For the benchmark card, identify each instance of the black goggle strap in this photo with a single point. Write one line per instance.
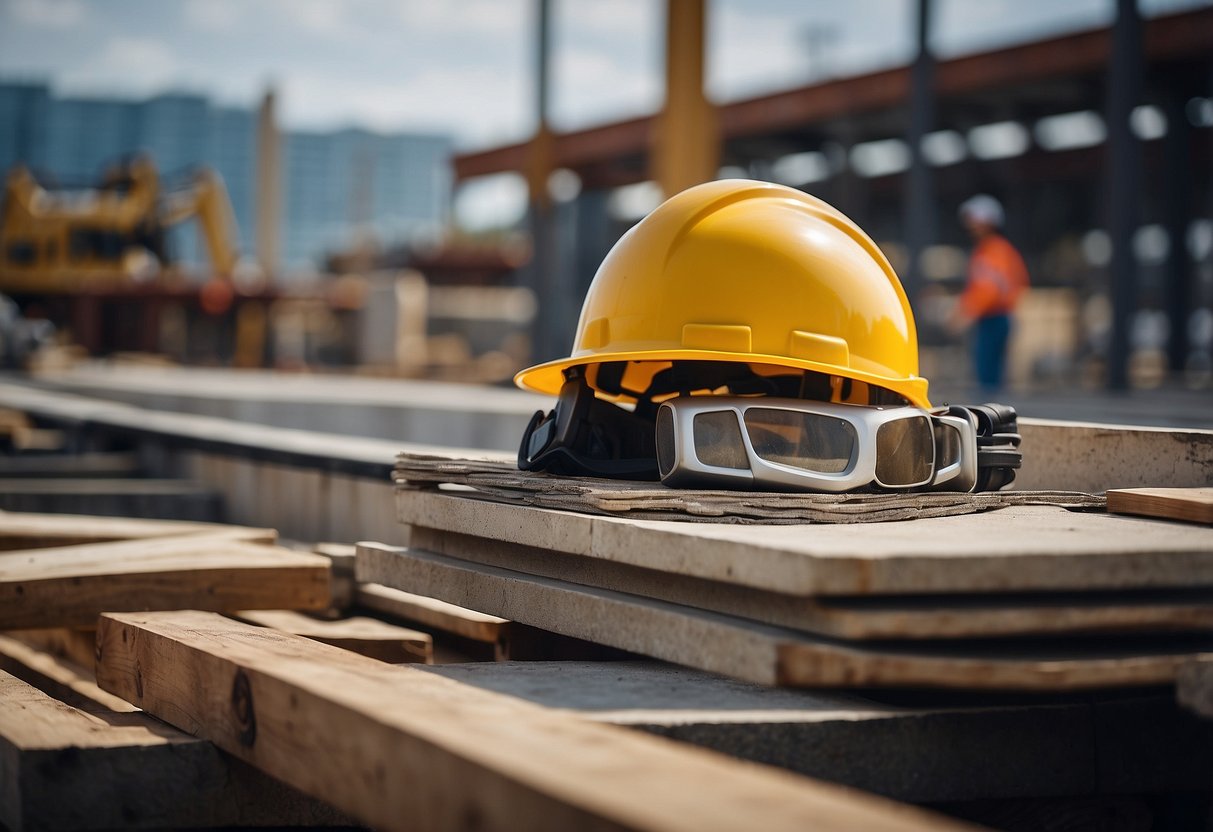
(585, 436)
(998, 440)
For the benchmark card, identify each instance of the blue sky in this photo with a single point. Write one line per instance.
(465, 66)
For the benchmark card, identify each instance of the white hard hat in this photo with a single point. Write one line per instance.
(982, 208)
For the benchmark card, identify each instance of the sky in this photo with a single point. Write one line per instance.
(466, 67)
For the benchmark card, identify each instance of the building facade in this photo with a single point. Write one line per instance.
(340, 188)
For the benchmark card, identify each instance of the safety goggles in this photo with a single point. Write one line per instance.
(772, 442)
(794, 444)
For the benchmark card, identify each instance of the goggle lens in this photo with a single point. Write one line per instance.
(905, 452)
(718, 440)
(811, 441)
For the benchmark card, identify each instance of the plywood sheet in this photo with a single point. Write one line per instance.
(770, 655)
(1016, 549)
(855, 617)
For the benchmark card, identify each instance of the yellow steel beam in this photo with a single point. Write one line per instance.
(686, 144)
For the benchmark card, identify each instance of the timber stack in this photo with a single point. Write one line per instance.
(527, 658)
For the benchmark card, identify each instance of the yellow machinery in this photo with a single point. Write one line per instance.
(54, 242)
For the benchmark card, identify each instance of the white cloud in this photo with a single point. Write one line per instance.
(626, 17)
(212, 15)
(481, 104)
(466, 17)
(50, 14)
(595, 85)
(127, 63)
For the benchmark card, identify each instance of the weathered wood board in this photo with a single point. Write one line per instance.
(79, 645)
(59, 676)
(503, 482)
(360, 634)
(430, 612)
(770, 655)
(1195, 505)
(71, 585)
(1195, 687)
(865, 617)
(402, 749)
(990, 552)
(64, 768)
(24, 530)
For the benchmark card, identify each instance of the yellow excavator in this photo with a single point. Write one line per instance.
(60, 241)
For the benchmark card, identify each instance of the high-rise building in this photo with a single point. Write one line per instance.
(340, 188)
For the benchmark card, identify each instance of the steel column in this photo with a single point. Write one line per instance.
(1124, 184)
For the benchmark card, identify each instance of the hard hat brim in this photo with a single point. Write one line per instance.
(548, 377)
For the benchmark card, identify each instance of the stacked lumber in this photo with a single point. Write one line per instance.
(1032, 595)
(399, 748)
(75, 757)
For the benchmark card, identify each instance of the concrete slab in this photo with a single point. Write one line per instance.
(922, 753)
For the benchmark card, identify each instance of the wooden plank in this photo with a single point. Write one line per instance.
(27, 530)
(366, 636)
(769, 655)
(1194, 687)
(61, 677)
(71, 585)
(1194, 505)
(341, 562)
(865, 617)
(400, 749)
(430, 612)
(972, 553)
(63, 768)
(76, 644)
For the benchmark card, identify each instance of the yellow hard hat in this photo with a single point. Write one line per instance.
(753, 272)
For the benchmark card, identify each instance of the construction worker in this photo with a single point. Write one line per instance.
(748, 335)
(997, 278)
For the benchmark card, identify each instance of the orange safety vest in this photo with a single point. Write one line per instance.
(997, 277)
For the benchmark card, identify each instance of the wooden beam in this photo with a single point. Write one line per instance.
(1083, 54)
(63, 768)
(769, 655)
(403, 749)
(61, 677)
(25, 530)
(430, 612)
(359, 634)
(71, 585)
